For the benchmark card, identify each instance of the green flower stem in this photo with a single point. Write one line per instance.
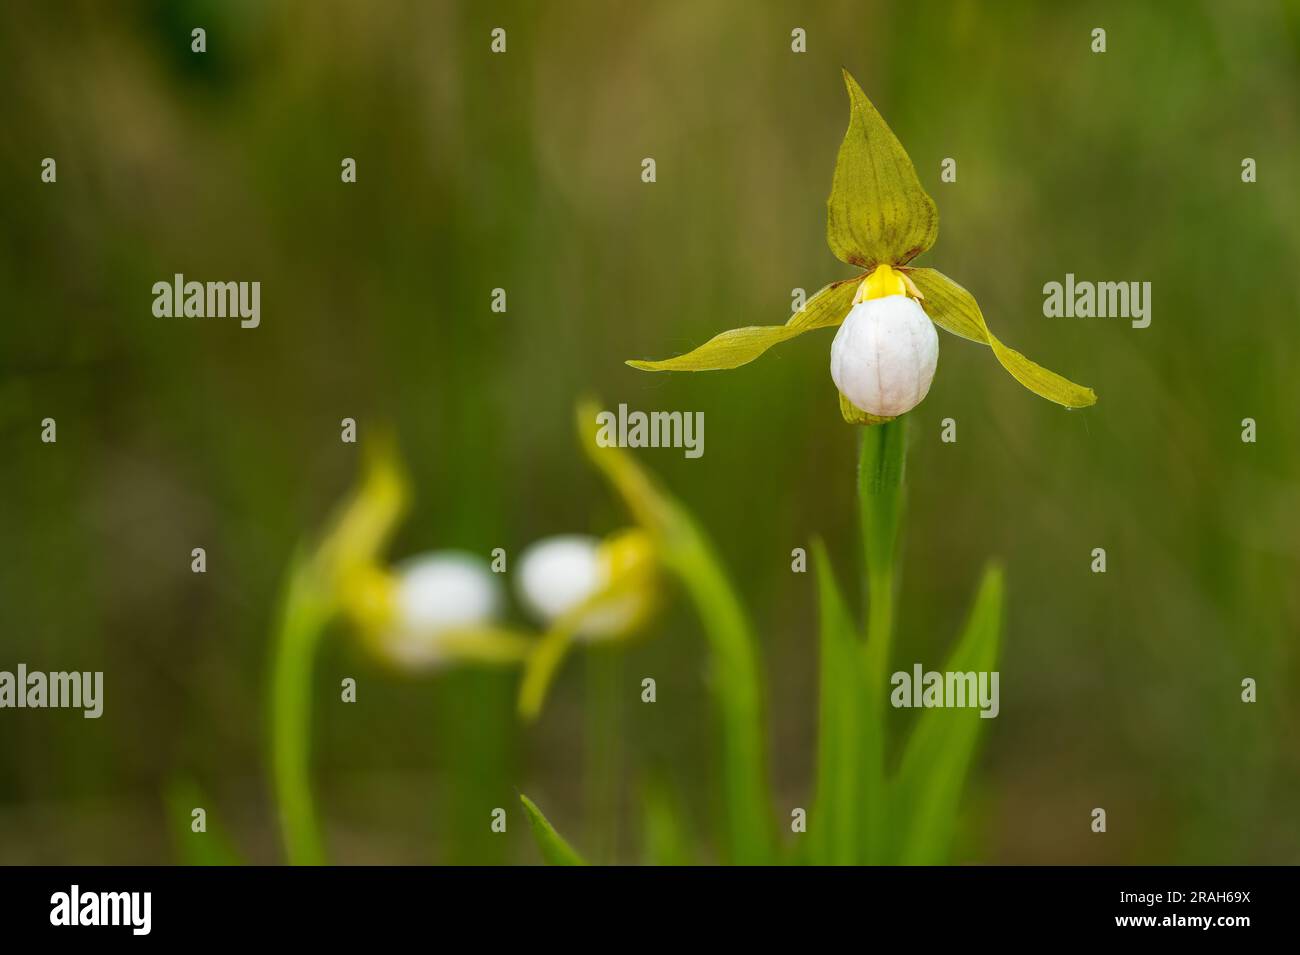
(303, 615)
(604, 678)
(880, 492)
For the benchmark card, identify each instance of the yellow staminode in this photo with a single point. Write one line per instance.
(881, 283)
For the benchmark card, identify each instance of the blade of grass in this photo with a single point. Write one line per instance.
(837, 803)
(927, 790)
(666, 835)
(197, 848)
(736, 685)
(880, 493)
(552, 845)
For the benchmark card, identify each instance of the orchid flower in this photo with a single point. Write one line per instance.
(879, 219)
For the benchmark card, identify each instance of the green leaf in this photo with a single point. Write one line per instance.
(197, 848)
(487, 645)
(852, 414)
(736, 683)
(739, 346)
(836, 837)
(552, 845)
(877, 210)
(954, 309)
(927, 790)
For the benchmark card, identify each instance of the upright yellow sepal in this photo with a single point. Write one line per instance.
(877, 210)
(356, 540)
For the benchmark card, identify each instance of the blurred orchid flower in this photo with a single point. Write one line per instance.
(597, 591)
(582, 588)
(560, 576)
(433, 610)
(428, 611)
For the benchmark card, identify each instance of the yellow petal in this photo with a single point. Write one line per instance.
(365, 522)
(486, 644)
(540, 669)
(877, 210)
(954, 309)
(855, 415)
(546, 655)
(740, 346)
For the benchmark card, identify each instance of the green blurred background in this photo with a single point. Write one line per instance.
(522, 171)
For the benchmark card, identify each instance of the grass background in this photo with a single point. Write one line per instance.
(522, 171)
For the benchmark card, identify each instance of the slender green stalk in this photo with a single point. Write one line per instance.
(880, 493)
(302, 618)
(604, 705)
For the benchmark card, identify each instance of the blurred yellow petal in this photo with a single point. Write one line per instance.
(548, 653)
(540, 669)
(877, 210)
(739, 346)
(492, 645)
(954, 309)
(366, 521)
(367, 593)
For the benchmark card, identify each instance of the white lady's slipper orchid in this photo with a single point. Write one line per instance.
(884, 355)
(429, 609)
(604, 585)
(879, 218)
